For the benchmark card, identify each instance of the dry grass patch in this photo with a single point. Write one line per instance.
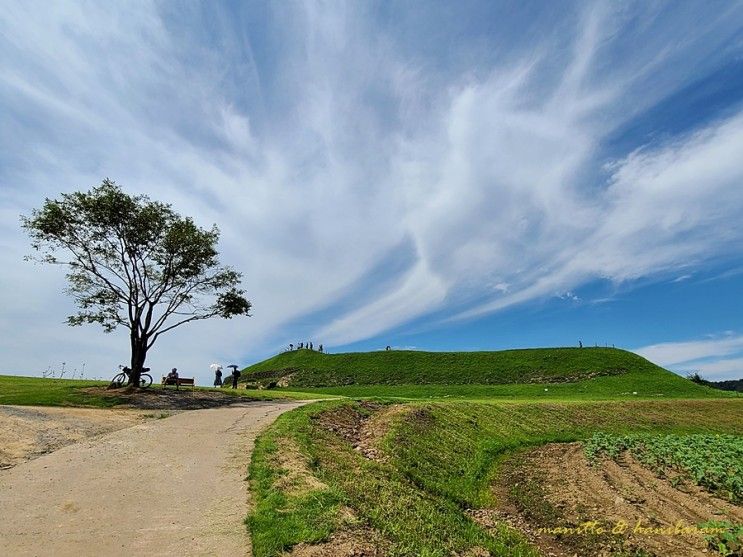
(357, 542)
(297, 478)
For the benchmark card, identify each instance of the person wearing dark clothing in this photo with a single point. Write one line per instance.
(319, 348)
(218, 377)
(172, 378)
(235, 377)
(310, 346)
(291, 347)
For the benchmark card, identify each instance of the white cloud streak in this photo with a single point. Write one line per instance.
(709, 357)
(673, 353)
(345, 148)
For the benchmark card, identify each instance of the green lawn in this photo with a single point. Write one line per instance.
(440, 458)
(35, 391)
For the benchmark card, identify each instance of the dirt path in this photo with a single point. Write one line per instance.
(173, 486)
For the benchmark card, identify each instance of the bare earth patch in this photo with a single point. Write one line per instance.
(157, 398)
(27, 432)
(361, 542)
(374, 429)
(364, 431)
(638, 511)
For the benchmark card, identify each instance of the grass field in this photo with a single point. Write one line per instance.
(35, 391)
(437, 460)
(26, 391)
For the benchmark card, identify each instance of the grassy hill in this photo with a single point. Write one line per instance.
(307, 369)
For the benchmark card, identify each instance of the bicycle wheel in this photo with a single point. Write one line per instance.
(145, 380)
(119, 380)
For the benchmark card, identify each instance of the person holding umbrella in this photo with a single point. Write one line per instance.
(217, 369)
(235, 375)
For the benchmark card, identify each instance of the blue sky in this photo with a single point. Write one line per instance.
(469, 175)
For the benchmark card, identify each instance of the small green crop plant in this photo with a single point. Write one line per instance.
(727, 541)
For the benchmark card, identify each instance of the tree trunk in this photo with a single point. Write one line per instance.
(139, 354)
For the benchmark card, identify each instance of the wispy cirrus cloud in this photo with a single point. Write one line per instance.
(671, 353)
(329, 140)
(710, 356)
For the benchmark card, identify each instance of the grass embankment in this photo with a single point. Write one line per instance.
(542, 373)
(36, 391)
(435, 461)
(630, 385)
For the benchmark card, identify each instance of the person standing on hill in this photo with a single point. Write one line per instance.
(218, 377)
(235, 377)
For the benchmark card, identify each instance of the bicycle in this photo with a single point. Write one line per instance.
(122, 378)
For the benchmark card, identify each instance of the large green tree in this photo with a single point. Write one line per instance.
(135, 263)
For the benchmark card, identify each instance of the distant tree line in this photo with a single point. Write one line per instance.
(729, 385)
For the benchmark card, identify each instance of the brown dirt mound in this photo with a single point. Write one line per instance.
(564, 504)
(158, 398)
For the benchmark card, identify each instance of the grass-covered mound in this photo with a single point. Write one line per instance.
(305, 368)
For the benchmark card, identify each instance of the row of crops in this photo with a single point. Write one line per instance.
(714, 462)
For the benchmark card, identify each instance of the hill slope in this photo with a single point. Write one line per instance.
(304, 368)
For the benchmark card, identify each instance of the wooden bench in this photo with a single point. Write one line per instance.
(178, 382)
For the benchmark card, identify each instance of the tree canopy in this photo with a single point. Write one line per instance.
(135, 263)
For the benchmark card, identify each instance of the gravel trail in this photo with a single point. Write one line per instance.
(173, 486)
